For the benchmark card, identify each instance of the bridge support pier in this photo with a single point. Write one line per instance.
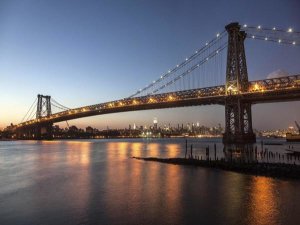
(39, 132)
(238, 122)
(45, 131)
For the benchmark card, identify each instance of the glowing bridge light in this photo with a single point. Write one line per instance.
(206, 43)
(294, 42)
(274, 28)
(170, 98)
(245, 25)
(186, 59)
(279, 41)
(218, 34)
(290, 30)
(253, 36)
(151, 100)
(266, 38)
(256, 87)
(259, 27)
(177, 66)
(232, 90)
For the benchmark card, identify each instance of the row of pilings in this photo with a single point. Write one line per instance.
(245, 154)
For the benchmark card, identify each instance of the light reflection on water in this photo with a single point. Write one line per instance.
(264, 201)
(97, 182)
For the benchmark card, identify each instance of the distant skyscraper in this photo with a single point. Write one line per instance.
(155, 121)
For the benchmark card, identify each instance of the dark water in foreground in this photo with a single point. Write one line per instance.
(96, 182)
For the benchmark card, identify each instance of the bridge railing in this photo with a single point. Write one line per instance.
(273, 84)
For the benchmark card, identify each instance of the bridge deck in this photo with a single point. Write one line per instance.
(261, 91)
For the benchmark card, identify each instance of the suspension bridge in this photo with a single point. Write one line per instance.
(204, 78)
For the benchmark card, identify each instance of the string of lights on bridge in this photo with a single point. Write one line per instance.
(290, 36)
(179, 66)
(260, 86)
(199, 63)
(253, 32)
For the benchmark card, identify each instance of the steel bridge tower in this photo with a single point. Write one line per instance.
(43, 106)
(238, 118)
(43, 130)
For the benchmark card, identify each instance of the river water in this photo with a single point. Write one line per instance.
(97, 182)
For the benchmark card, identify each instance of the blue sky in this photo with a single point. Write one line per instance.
(87, 52)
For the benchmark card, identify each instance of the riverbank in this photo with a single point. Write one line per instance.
(276, 170)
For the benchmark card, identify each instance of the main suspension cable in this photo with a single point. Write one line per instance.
(29, 110)
(182, 64)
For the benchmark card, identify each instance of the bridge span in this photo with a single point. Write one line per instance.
(261, 91)
(237, 94)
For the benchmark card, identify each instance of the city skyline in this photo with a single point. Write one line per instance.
(57, 59)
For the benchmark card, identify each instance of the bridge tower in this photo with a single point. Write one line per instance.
(43, 106)
(238, 118)
(43, 131)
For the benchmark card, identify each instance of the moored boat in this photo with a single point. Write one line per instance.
(294, 137)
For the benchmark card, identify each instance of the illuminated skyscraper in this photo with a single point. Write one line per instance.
(155, 123)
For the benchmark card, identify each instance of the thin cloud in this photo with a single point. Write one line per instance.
(277, 73)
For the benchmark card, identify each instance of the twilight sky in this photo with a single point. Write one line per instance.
(85, 52)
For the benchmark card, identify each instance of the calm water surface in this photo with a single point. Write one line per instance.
(96, 182)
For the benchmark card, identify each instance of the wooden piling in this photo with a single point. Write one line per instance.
(215, 148)
(185, 148)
